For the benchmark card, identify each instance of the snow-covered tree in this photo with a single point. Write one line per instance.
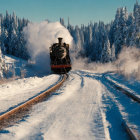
(121, 30)
(11, 37)
(62, 21)
(130, 37)
(97, 41)
(3, 67)
(106, 51)
(137, 24)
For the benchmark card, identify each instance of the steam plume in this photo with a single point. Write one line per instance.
(40, 36)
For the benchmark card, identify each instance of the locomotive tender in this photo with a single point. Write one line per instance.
(59, 56)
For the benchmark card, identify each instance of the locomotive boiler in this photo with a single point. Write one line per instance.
(59, 56)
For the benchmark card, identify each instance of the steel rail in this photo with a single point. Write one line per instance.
(8, 118)
(133, 134)
(128, 93)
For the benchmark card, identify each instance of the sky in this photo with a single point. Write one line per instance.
(78, 11)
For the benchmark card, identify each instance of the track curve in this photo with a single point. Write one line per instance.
(18, 112)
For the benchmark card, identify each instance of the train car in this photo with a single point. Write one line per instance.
(59, 56)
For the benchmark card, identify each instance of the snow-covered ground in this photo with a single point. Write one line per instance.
(73, 112)
(131, 85)
(86, 107)
(21, 90)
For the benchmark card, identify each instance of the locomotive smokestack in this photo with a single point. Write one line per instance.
(60, 40)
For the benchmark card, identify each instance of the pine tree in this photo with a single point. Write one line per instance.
(130, 41)
(3, 67)
(120, 30)
(62, 21)
(137, 24)
(113, 57)
(11, 37)
(106, 51)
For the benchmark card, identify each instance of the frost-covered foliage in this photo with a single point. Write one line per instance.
(11, 67)
(3, 67)
(11, 37)
(103, 43)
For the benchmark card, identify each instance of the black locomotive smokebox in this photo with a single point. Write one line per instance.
(60, 52)
(60, 40)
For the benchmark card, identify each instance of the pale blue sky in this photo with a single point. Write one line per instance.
(79, 11)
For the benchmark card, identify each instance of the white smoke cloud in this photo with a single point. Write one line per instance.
(84, 64)
(40, 36)
(128, 62)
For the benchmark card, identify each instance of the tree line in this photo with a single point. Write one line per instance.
(11, 35)
(98, 42)
(103, 42)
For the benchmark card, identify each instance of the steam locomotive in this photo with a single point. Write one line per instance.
(59, 56)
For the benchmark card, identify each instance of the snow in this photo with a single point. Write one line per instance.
(129, 85)
(85, 107)
(123, 108)
(16, 92)
(68, 114)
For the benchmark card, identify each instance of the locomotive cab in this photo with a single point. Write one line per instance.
(60, 59)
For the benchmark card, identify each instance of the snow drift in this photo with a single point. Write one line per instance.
(40, 36)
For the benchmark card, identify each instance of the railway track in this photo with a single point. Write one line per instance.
(133, 134)
(17, 113)
(126, 92)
